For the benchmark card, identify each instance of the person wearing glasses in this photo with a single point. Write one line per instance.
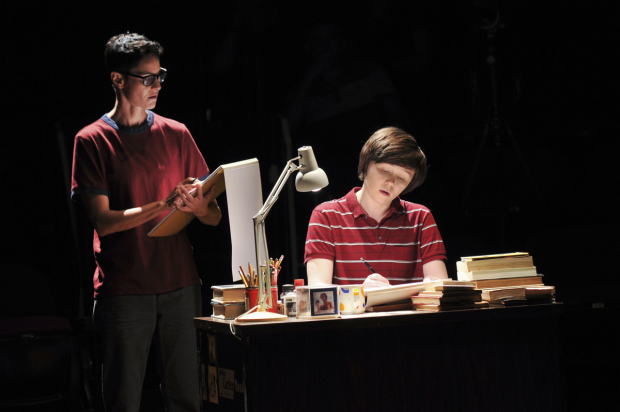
(130, 167)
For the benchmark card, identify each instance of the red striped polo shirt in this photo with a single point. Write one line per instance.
(397, 247)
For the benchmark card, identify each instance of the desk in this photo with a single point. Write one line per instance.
(482, 359)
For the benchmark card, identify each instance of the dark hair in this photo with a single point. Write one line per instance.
(394, 146)
(124, 51)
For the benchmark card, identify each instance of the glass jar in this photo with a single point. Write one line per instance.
(288, 300)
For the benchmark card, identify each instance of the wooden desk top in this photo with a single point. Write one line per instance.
(374, 320)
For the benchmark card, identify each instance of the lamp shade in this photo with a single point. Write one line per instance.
(310, 177)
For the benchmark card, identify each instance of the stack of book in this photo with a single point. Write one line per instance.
(448, 295)
(506, 280)
(523, 295)
(495, 271)
(228, 301)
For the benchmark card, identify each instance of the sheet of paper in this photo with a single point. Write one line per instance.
(390, 294)
(244, 196)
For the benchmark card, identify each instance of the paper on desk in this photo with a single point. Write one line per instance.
(389, 294)
(244, 196)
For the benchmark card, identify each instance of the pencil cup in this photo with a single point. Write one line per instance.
(251, 299)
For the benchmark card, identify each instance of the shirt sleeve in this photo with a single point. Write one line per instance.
(320, 240)
(88, 175)
(431, 243)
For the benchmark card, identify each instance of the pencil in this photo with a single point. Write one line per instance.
(245, 277)
(279, 261)
(245, 282)
(367, 265)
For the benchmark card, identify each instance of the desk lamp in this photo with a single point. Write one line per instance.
(309, 178)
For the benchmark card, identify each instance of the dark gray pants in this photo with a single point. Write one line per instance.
(127, 325)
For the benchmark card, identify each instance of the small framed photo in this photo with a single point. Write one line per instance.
(324, 301)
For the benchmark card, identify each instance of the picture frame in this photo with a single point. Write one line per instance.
(324, 301)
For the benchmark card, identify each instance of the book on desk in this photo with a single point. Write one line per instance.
(509, 269)
(228, 301)
(397, 293)
(506, 280)
(525, 292)
(392, 307)
(227, 310)
(229, 293)
(447, 295)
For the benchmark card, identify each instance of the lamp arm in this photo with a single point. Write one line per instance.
(277, 188)
(260, 239)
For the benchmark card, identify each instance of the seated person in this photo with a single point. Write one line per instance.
(399, 239)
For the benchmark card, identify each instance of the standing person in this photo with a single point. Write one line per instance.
(398, 238)
(146, 289)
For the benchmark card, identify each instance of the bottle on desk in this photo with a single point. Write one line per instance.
(288, 300)
(298, 283)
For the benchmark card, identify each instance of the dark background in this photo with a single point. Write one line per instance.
(233, 67)
(242, 60)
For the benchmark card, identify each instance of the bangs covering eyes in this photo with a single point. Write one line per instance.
(399, 177)
(394, 146)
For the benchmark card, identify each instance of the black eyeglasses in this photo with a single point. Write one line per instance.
(150, 79)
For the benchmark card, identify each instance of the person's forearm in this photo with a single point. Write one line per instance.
(112, 221)
(213, 217)
(435, 270)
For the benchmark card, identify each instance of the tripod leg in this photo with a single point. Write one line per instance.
(525, 167)
(476, 162)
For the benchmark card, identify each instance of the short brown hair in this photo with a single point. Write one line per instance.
(124, 51)
(396, 147)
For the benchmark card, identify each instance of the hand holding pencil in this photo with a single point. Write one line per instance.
(375, 280)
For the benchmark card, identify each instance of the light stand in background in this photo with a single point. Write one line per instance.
(496, 125)
(309, 178)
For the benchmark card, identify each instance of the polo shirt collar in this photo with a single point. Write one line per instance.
(358, 210)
